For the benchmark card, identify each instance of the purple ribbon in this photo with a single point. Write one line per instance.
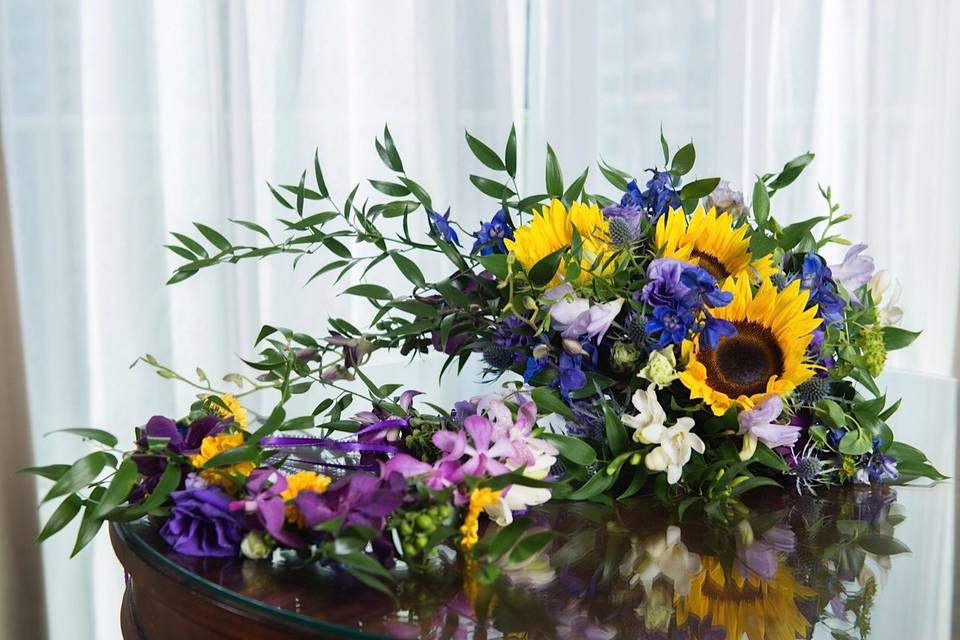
(389, 423)
(326, 443)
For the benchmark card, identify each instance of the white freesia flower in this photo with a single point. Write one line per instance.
(663, 555)
(676, 444)
(649, 413)
(890, 313)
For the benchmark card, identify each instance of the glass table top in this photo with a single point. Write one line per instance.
(859, 563)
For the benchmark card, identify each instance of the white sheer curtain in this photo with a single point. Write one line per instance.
(123, 121)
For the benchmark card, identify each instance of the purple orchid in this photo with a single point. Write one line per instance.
(359, 499)
(574, 316)
(265, 504)
(180, 440)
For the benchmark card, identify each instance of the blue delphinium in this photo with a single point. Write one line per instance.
(659, 197)
(815, 277)
(703, 288)
(673, 323)
(440, 227)
(492, 234)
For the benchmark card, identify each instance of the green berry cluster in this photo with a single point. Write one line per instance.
(420, 441)
(415, 527)
(874, 351)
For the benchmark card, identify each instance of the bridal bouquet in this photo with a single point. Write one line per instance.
(672, 341)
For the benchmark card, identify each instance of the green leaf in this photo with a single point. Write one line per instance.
(120, 487)
(792, 234)
(510, 154)
(372, 291)
(89, 526)
(280, 198)
(169, 481)
(699, 188)
(882, 545)
(830, 412)
(573, 449)
(318, 175)
(418, 192)
(753, 483)
(507, 537)
(243, 453)
(190, 244)
(856, 443)
(616, 177)
(61, 516)
(549, 402)
(484, 154)
(576, 187)
(553, 175)
(252, 226)
(213, 237)
(392, 154)
(531, 545)
(543, 271)
(769, 458)
(390, 188)
(761, 245)
(896, 338)
(791, 171)
(101, 436)
(760, 204)
(409, 269)
(50, 471)
(495, 263)
(596, 485)
(79, 475)
(301, 193)
(664, 146)
(491, 188)
(616, 434)
(683, 160)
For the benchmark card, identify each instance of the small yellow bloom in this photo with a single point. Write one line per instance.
(298, 482)
(215, 445)
(233, 410)
(479, 500)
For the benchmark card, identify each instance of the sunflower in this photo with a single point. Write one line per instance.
(747, 606)
(767, 354)
(710, 241)
(551, 229)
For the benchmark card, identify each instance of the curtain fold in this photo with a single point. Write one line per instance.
(21, 577)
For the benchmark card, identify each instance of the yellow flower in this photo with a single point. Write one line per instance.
(233, 410)
(223, 476)
(303, 481)
(710, 241)
(748, 607)
(767, 354)
(479, 499)
(551, 229)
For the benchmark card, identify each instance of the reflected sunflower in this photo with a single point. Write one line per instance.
(747, 606)
(767, 354)
(710, 241)
(551, 229)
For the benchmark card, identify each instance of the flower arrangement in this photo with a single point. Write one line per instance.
(672, 341)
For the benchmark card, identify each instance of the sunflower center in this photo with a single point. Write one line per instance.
(744, 363)
(711, 263)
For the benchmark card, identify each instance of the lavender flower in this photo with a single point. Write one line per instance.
(201, 524)
(725, 199)
(855, 270)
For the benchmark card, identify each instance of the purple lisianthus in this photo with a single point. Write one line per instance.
(440, 227)
(665, 285)
(202, 525)
(490, 238)
(180, 440)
